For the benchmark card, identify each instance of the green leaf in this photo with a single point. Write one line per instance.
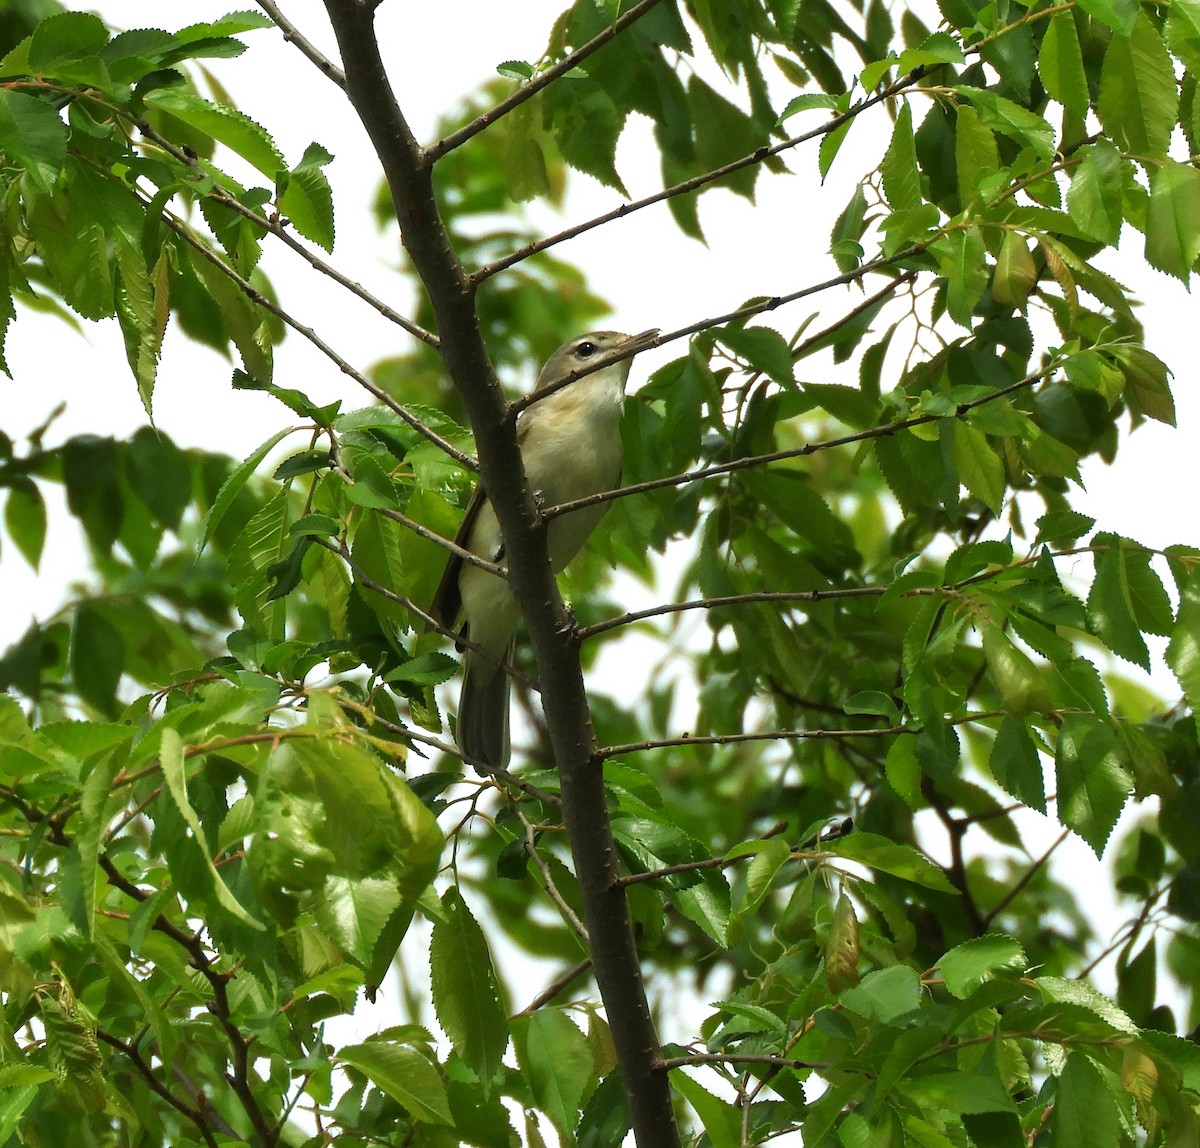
(1015, 764)
(1022, 685)
(1016, 273)
(975, 153)
(233, 485)
(225, 125)
(586, 123)
(764, 349)
(403, 1074)
(721, 1120)
(308, 198)
(884, 994)
(901, 178)
(1173, 222)
(465, 993)
(1138, 101)
(1183, 650)
(1060, 63)
(902, 861)
(557, 1063)
(1183, 32)
(171, 762)
(967, 966)
(961, 260)
(1109, 603)
(64, 36)
(247, 325)
(97, 658)
(1147, 384)
(842, 949)
(262, 544)
(1119, 15)
(33, 136)
(978, 465)
(1093, 784)
(25, 517)
(1010, 119)
(1095, 198)
(1085, 1110)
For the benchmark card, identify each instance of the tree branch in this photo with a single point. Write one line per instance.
(759, 155)
(543, 79)
(195, 1115)
(255, 296)
(749, 461)
(608, 751)
(239, 1077)
(452, 299)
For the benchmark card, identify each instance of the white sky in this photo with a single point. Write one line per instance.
(655, 277)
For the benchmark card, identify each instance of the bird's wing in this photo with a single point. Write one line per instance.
(447, 602)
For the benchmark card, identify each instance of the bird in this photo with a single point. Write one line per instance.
(570, 442)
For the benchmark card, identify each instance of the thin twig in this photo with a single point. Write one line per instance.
(759, 155)
(528, 90)
(255, 296)
(548, 884)
(606, 752)
(1015, 890)
(293, 36)
(195, 1115)
(556, 986)
(437, 539)
(749, 461)
(426, 619)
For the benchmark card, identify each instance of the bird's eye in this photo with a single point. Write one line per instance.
(586, 349)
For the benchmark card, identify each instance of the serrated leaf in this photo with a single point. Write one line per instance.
(901, 177)
(308, 199)
(1010, 119)
(764, 349)
(1109, 606)
(1093, 784)
(1183, 32)
(1183, 650)
(884, 994)
(1016, 272)
(965, 967)
(1173, 221)
(1119, 15)
(465, 994)
(1138, 100)
(962, 262)
(1060, 64)
(403, 1074)
(233, 485)
(1085, 1111)
(886, 856)
(978, 465)
(172, 764)
(1015, 764)
(226, 125)
(1095, 198)
(1022, 685)
(33, 135)
(720, 1119)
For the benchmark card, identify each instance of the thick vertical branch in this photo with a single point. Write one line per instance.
(408, 172)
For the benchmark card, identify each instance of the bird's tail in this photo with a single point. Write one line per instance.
(482, 732)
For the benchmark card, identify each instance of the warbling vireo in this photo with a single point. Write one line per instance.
(570, 443)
